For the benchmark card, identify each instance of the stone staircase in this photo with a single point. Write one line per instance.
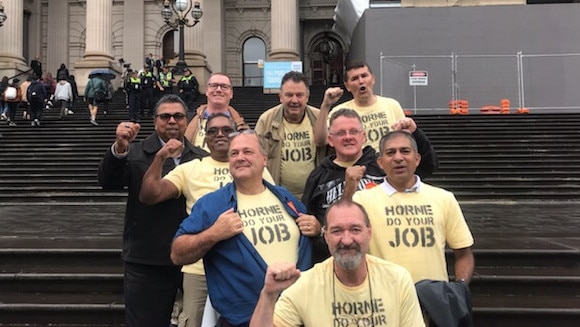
(516, 177)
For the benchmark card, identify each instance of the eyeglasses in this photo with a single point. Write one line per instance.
(244, 131)
(213, 131)
(214, 86)
(178, 116)
(352, 132)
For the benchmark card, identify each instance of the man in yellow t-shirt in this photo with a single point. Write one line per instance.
(287, 132)
(198, 178)
(348, 289)
(379, 114)
(413, 221)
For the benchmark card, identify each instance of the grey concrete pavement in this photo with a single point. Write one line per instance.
(509, 225)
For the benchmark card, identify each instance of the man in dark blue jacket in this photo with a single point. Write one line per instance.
(241, 229)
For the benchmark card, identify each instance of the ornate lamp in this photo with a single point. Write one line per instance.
(3, 16)
(181, 8)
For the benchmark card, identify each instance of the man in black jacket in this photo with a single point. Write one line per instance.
(325, 185)
(150, 279)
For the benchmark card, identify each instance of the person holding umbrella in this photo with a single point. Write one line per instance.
(97, 91)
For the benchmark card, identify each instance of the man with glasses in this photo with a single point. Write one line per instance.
(151, 280)
(242, 228)
(379, 115)
(287, 133)
(219, 92)
(193, 180)
(326, 183)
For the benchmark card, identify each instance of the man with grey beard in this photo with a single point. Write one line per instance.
(352, 287)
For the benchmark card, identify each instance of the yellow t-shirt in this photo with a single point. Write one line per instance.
(377, 118)
(195, 179)
(386, 298)
(412, 229)
(267, 225)
(298, 156)
(199, 139)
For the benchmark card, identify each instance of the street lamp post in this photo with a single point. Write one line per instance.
(2, 14)
(181, 8)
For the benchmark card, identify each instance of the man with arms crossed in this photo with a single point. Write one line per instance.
(378, 114)
(150, 279)
(350, 289)
(242, 228)
(287, 133)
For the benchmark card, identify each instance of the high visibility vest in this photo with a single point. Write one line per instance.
(135, 83)
(165, 79)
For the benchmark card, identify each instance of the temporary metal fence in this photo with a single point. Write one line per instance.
(539, 82)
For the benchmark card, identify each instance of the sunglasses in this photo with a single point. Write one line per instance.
(177, 116)
(244, 131)
(213, 131)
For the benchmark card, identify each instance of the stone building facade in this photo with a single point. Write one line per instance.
(233, 36)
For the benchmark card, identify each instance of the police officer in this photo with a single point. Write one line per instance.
(133, 89)
(188, 88)
(147, 84)
(165, 82)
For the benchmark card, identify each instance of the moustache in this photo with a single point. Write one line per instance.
(352, 246)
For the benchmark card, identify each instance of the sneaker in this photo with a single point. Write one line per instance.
(36, 122)
(32, 123)
(94, 122)
(3, 117)
(70, 112)
(11, 123)
(24, 114)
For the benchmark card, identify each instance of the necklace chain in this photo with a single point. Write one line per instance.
(364, 322)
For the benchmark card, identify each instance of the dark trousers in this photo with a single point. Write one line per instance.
(134, 105)
(149, 294)
(188, 97)
(36, 109)
(12, 107)
(147, 100)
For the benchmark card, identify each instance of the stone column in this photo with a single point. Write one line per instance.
(98, 30)
(58, 39)
(134, 33)
(285, 29)
(11, 59)
(193, 47)
(213, 34)
(98, 40)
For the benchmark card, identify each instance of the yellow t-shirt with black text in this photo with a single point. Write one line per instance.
(377, 118)
(267, 225)
(387, 297)
(298, 156)
(412, 229)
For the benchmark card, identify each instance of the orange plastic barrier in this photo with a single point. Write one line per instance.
(490, 109)
(459, 107)
(523, 111)
(505, 106)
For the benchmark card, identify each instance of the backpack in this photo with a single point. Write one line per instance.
(10, 93)
(101, 95)
(34, 93)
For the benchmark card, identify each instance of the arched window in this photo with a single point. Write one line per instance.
(254, 51)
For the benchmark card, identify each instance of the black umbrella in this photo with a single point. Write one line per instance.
(105, 73)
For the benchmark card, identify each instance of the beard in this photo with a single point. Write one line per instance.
(345, 259)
